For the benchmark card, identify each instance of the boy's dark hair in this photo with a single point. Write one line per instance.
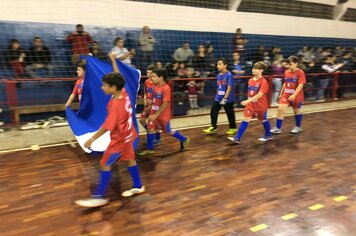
(117, 39)
(223, 60)
(114, 79)
(82, 65)
(151, 67)
(79, 26)
(35, 38)
(161, 72)
(293, 59)
(260, 65)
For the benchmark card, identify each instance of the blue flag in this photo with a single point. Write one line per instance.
(92, 112)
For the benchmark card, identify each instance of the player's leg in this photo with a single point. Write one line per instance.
(298, 118)
(150, 140)
(243, 126)
(183, 140)
(157, 139)
(132, 167)
(267, 127)
(98, 199)
(280, 117)
(214, 112)
(230, 113)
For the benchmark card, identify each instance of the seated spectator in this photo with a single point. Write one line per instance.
(80, 41)
(184, 54)
(182, 71)
(211, 60)
(348, 66)
(173, 69)
(121, 52)
(277, 69)
(241, 83)
(258, 55)
(200, 61)
(14, 57)
(146, 42)
(38, 57)
(239, 42)
(95, 51)
(159, 64)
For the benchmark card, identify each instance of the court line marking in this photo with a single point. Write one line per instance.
(183, 128)
(258, 227)
(289, 216)
(340, 198)
(316, 207)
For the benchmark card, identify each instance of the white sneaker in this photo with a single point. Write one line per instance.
(296, 130)
(232, 139)
(265, 139)
(92, 202)
(133, 191)
(1, 123)
(2, 130)
(275, 130)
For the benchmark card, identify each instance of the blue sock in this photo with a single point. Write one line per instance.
(158, 136)
(279, 123)
(150, 139)
(135, 176)
(298, 120)
(241, 130)
(178, 136)
(103, 183)
(267, 127)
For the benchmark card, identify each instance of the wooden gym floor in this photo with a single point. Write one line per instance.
(294, 185)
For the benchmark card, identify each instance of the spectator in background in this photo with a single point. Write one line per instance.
(159, 64)
(121, 52)
(259, 54)
(307, 55)
(95, 51)
(348, 66)
(328, 66)
(173, 69)
(276, 52)
(146, 42)
(184, 54)
(192, 90)
(182, 71)
(211, 60)
(38, 57)
(239, 42)
(80, 41)
(277, 69)
(14, 57)
(200, 62)
(241, 84)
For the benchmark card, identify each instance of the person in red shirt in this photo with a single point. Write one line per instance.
(123, 134)
(256, 105)
(148, 100)
(160, 114)
(80, 41)
(292, 94)
(78, 88)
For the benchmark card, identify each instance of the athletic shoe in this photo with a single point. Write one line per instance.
(133, 191)
(1, 123)
(210, 130)
(184, 145)
(265, 138)
(234, 140)
(92, 202)
(146, 152)
(275, 130)
(2, 130)
(296, 130)
(231, 131)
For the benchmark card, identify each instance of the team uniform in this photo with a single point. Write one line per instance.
(291, 81)
(122, 131)
(149, 91)
(257, 109)
(161, 94)
(78, 88)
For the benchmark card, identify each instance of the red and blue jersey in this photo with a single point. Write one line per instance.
(78, 88)
(223, 81)
(254, 87)
(149, 91)
(162, 94)
(291, 82)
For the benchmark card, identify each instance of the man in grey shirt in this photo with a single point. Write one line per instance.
(146, 42)
(121, 52)
(184, 54)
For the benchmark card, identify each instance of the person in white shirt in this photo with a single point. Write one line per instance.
(121, 52)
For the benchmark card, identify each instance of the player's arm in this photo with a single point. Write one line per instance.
(282, 89)
(296, 92)
(97, 135)
(113, 62)
(159, 111)
(70, 100)
(228, 91)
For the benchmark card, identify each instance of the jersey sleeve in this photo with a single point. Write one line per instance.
(301, 77)
(230, 80)
(264, 87)
(75, 89)
(111, 120)
(167, 94)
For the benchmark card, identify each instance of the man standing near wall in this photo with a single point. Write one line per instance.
(80, 41)
(146, 41)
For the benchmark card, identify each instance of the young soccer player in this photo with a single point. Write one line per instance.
(256, 105)
(224, 97)
(148, 99)
(160, 114)
(291, 94)
(123, 133)
(78, 88)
